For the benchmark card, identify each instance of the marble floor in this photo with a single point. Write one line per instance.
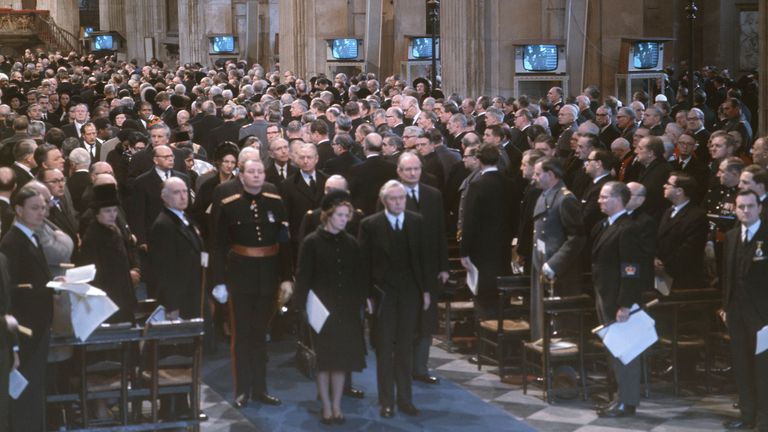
(661, 412)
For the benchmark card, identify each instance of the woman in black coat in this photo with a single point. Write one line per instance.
(105, 246)
(330, 265)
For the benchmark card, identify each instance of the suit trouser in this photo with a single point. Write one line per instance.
(395, 329)
(628, 379)
(750, 371)
(28, 411)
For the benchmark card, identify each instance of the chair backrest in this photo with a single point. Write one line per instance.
(174, 329)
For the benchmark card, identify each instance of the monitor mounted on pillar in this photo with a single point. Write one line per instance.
(420, 48)
(103, 42)
(222, 44)
(540, 58)
(345, 50)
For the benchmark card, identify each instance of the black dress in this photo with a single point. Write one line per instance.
(331, 266)
(111, 253)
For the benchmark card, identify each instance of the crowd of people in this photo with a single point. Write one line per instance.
(233, 185)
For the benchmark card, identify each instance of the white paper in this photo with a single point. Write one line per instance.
(16, 384)
(158, 315)
(627, 340)
(90, 311)
(81, 275)
(472, 277)
(762, 340)
(317, 313)
(541, 247)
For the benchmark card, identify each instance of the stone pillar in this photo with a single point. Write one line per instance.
(193, 46)
(112, 16)
(373, 39)
(762, 112)
(297, 36)
(462, 47)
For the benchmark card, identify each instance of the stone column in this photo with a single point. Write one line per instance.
(462, 47)
(297, 30)
(112, 16)
(193, 44)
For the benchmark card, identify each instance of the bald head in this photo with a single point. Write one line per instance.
(175, 194)
(637, 199)
(336, 182)
(7, 181)
(102, 179)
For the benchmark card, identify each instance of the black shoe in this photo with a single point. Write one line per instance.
(354, 393)
(617, 411)
(408, 409)
(473, 360)
(738, 424)
(427, 379)
(268, 399)
(387, 411)
(241, 401)
(340, 420)
(326, 420)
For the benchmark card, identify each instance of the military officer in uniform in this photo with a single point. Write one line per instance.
(558, 238)
(251, 257)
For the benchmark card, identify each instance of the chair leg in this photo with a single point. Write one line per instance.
(500, 356)
(644, 368)
(524, 368)
(448, 325)
(675, 375)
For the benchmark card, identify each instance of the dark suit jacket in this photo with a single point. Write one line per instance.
(366, 179)
(174, 253)
(377, 253)
(32, 307)
(202, 130)
(341, 164)
(325, 153)
(430, 207)
(274, 177)
(169, 117)
(6, 218)
(298, 198)
(63, 216)
(487, 229)
(70, 131)
(77, 183)
(22, 176)
(653, 178)
(609, 134)
(699, 171)
(680, 246)
(753, 270)
(617, 265)
(702, 152)
(590, 209)
(399, 129)
(227, 131)
(142, 162)
(146, 203)
(97, 155)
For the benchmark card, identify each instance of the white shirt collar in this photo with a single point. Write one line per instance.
(308, 176)
(752, 229)
(27, 232)
(392, 218)
(161, 173)
(597, 179)
(180, 214)
(612, 219)
(489, 169)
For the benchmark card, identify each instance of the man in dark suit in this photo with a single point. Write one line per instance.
(395, 120)
(394, 253)
(145, 196)
(598, 168)
(24, 157)
(682, 235)
(61, 212)
(650, 153)
(518, 135)
(608, 130)
(280, 166)
(202, 129)
(366, 179)
(625, 122)
(257, 128)
(79, 178)
(143, 161)
(487, 227)
(687, 162)
(168, 114)
(303, 190)
(9, 343)
(75, 129)
(755, 178)
(175, 249)
(344, 159)
(31, 304)
(7, 186)
(616, 267)
(745, 309)
(695, 125)
(428, 202)
(229, 130)
(319, 135)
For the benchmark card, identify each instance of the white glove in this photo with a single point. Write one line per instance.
(284, 293)
(548, 272)
(709, 250)
(220, 293)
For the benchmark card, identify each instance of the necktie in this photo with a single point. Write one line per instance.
(312, 182)
(397, 224)
(413, 195)
(674, 212)
(281, 171)
(167, 175)
(745, 236)
(39, 244)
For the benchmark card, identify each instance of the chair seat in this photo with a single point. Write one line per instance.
(508, 326)
(98, 383)
(684, 342)
(457, 305)
(559, 348)
(170, 376)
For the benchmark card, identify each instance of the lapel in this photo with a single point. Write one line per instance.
(188, 232)
(760, 236)
(608, 232)
(667, 223)
(383, 229)
(303, 187)
(37, 252)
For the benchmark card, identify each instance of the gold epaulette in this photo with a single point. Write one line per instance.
(230, 198)
(566, 191)
(271, 195)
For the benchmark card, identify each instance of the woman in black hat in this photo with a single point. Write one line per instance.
(331, 266)
(225, 160)
(117, 269)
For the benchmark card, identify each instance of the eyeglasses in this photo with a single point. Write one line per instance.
(55, 181)
(466, 156)
(601, 115)
(670, 184)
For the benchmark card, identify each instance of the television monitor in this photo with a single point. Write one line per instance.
(103, 42)
(540, 58)
(543, 58)
(223, 44)
(421, 48)
(645, 55)
(344, 49)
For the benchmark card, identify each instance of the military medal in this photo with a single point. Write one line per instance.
(271, 217)
(759, 249)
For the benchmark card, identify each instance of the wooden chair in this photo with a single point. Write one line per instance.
(510, 325)
(543, 355)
